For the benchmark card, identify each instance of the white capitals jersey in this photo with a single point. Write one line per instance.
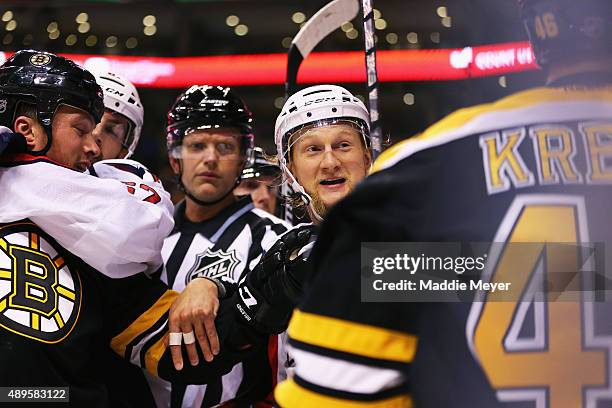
(225, 247)
(107, 222)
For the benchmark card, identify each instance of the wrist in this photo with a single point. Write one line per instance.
(221, 290)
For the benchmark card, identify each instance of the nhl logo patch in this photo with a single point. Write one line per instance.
(3, 104)
(40, 59)
(213, 264)
(40, 295)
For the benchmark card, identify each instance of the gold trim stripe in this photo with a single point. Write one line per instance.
(350, 337)
(58, 319)
(520, 100)
(154, 354)
(67, 293)
(5, 274)
(289, 394)
(34, 241)
(35, 319)
(59, 262)
(143, 322)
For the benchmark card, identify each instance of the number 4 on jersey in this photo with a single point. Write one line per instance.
(562, 364)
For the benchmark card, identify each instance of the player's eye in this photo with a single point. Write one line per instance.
(345, 145)
(225, 148)
(195, 147)
(81, 130)
(313, 149)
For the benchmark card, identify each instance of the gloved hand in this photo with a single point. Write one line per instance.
(266, 297)
(11, 142)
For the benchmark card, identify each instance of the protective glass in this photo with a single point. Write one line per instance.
(198, 147)
(296, 134)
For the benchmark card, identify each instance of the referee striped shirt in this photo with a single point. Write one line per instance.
(224, 247)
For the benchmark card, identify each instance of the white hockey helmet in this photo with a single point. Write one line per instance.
(318, 105)
(121, 96)
(315, 106)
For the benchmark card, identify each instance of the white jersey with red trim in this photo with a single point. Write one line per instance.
(118, 239)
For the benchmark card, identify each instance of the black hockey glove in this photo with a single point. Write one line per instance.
(12, 142)
(266, 297)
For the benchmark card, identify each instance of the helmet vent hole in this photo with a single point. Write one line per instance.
(334, 110)
(309, 114)
(117, 104)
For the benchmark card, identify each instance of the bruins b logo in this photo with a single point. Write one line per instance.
(40, 59)
(40, 297)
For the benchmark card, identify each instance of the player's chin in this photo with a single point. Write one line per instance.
(81, 165)
(329, 198)
(208, 192)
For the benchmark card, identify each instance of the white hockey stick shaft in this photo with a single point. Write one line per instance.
(319, 26)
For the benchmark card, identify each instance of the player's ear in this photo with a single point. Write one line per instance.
(367, 159)
(174, 164)
(35, 135)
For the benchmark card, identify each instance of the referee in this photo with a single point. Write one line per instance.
(217, 236)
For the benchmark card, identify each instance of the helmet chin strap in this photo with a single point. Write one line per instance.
(304, 196)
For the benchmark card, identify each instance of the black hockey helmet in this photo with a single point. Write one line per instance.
(562, 29)
(209, 107)
(262, 166)
(46, 81)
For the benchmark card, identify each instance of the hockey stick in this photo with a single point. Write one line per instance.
(324, 22)
(319, 26)
(372, 74)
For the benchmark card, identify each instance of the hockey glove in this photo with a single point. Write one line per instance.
(266, 297)
(11, 142)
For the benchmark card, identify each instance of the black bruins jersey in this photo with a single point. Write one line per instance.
(59, 314)
(59, 311)
(532, 167)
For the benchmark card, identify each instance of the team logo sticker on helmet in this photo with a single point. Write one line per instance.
(40, 295)
(40, 59)
(213, 264)
(3, 103)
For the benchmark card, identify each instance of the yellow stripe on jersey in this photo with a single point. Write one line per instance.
(154, 354)
(519, 100)
(289, 394)
(35, 321)
(34, 241)
(143, 323)
(350, 337)
(67, 293)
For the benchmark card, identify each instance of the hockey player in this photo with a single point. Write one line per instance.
(529, 168)
(217, 236)
(119, 133)
(123, 117)
(261, 181)
(323, 141)
(73, 248)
